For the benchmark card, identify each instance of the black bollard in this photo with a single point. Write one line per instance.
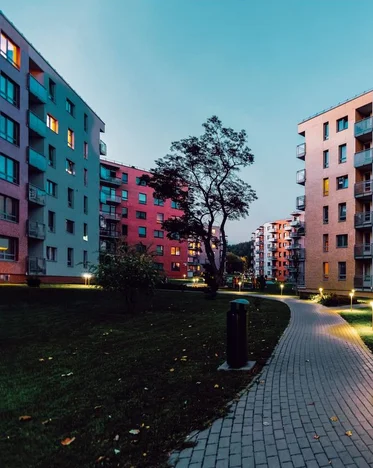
(237, 354)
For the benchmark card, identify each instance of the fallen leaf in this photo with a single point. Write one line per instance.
(50, 358)
(311, 404)
(106, 353)
(334, 418)
(47, 421)
(99, 459)
(70, 373)
(142, 425)
(116, 451)
(261, 382)
(316, 436)
(307, 360)
(172, 369)
(116, 437)
(97, 407)
(147, 427)
(265, 423)
(144, 454)
(67, 441)
(25, 418)
(216, 386)
(134, 431)
(41, 359)
(348, 433)
(146, 388)
(198, 383)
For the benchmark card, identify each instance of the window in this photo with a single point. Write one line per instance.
(9, 129)
(70, 138)
(70, 198)
(325, 214)
(85, 150)
(342, 182)
(9, 90)
(8, 208)
(124, 229)
(158, 266)
(70, 167)
(52, 90)
(326, 159)
(175, 205)
(175, 250)
(11, 253)
(342, 124)
(140, 214)
(51, 221)
(51, 188)
(10, 51)
(325, 242)
(85, 177)
(326, 131)
(124, 195)
(342, 154)
(85, 204)
(70, 107)
(70, 257)
(158, 202)
(160, 218)
(159, 234)
(342, 211)
(141, 181)
(175, 266)
(52, 123)
(342, 241)
(124, 178)
(51, 254)
(142, 198)
(85, 122)
(124, 212)
(70, 226)
(85, 259)
(142, 231)
(159, 250)
(325, 187)
(341, 271)
(85, 231)
(9, 169)
(51, 156)
(325, 267)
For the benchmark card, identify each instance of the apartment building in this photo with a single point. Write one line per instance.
(130, 214)
(337, 152)
(197, 256)
(49, 168)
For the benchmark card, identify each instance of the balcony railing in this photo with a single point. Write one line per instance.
(363, 282)
(105, 198)
(37, 89)
(287, 227)
(363, 158)
(109, 233)
(112, 216)
(301, 203)
(301, 151)
(363, 219)
(36, 195)
(37, 160)
(301, 177)
(36, 124)
(110, 180)
(36, 266)
(295, 246)
(273, 248)
(363, 189)
(363, 127)
(103, 148)
(36, 230)
(363, 251)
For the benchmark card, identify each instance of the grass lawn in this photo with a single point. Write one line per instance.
(361, 320)
(81, 367)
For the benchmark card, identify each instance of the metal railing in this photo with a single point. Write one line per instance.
(363, 250)
(363, 189)
(363, 219)
(109, 233)
(363, 282)
(113, 216)
(36, 266)
(36, 195)
(363, 158)
(36, 230)
(301, 202)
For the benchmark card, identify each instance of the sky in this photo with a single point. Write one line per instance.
(155, 70)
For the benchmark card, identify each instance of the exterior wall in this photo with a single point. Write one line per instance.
(132, 223)
(36, 248)
(312, 131)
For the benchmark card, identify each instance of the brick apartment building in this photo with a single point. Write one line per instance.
(49, 168)
(337, 151)
(129, 213)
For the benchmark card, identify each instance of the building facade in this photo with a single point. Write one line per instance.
(197, 256)
(337, 152)
(49, 166)
(130, 214)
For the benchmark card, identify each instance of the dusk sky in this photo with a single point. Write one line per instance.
(155, 70)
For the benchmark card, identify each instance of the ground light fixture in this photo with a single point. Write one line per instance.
(87, 278)
(351, 296)
(282, 288)
(320, 291)
(239, 286)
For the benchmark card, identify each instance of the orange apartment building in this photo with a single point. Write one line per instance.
(337, 151)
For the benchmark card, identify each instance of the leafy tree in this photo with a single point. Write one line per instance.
(201, 175)
(128, 271)
(234, 263)
(242, 249)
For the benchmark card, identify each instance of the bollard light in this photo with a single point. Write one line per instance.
(351, 296)
(282, 288)
(239, 286)
(320, 291)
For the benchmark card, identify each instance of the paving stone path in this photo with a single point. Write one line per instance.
(320, 369)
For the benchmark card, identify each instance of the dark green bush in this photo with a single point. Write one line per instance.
(33, 282)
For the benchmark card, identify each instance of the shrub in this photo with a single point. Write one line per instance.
(332, 300)
(33, 282)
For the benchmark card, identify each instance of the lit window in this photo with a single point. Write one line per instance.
(160, 218)
(142, 198)
(70, 167)
(325, 187)
(159, 250)
(70, 257)
(85, 231)
(342, 182)
(142, 231)
(9, 90)
(175, 266)
(70, 107)
(70, 138)
(175, 250)
(52, 123)
(10, 51)
(342, 124)
(325, 267)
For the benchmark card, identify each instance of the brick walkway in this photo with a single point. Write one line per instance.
(319, 369)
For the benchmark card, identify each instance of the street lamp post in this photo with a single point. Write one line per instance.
(239, 286)
(282, 288)
(351, 296)
(320, 291)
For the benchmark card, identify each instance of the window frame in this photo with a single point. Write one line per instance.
(4, 51)
(325, 186)
(340, 218)
(344, 122)
(4, 214)
(341, 245)
(143, 202)
(342, 160)
(14, 139)
(53, 250)
(325, 159)
(342, 276)
(15, 164)
(70, 222)
(52, 123)
(143, 235)
(16, 88)
(70, 138)
(344, 179)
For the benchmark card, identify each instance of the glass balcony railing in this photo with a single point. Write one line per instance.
(363, 219)
(37, 160)
(363, 251)
(36, 124)
(363, 127)
(36, 230)
(301, 151)
(301, 203)
(363, 158)
(103, 148)
(301, 177)
(36, 195)
(363, 282)
(36, 266)
(37, 89)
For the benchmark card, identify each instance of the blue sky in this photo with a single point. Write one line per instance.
(155, 70)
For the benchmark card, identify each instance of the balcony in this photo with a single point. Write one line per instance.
(301, 177)
(295, 223)
(295, 246)
(105, 198)
(36, 230)
(111, 216)
(301, 203)
(363, 159)
(287, 236)
(273, 248)
(287, 227)
(36, 266)
(363, 190)
(109, 233)
(36, 195)
(301, 151)
(272, 239)
(103, 149)
(110, 180)
(39, 93)
(37, 160)
(272, 230)
(298, 232)
(362, 251)
(363, 282)
(298, 255)
(363, 129)
(36, 125)
(363, 220)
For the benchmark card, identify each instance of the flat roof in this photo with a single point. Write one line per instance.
(46, 61)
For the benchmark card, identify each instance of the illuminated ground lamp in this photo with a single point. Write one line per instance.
(351, 296)
(320, 291)
(87, 278)
(184, 275)
(282, 288)
(239, 286)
